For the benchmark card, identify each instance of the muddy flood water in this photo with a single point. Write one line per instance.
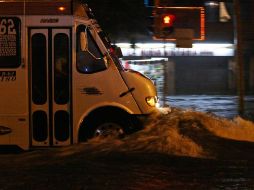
(178, 149)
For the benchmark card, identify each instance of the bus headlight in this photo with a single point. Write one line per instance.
(151, 101)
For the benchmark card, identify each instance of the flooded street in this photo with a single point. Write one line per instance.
(183, 149)
(77, 75)
(225, 106)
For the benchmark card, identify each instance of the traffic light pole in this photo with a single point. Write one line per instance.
(164, 74)
(239, 57)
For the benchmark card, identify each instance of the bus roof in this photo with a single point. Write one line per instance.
(43, 7)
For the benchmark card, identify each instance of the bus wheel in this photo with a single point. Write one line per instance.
(113, 126)
(105, 123)
(109, 129)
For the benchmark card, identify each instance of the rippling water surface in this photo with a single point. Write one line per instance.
(225, 106)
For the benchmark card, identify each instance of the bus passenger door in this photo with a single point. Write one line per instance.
(50, 86)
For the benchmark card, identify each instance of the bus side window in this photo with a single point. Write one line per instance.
(89, 57)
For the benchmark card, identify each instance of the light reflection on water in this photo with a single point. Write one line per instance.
(233, 183)
(225, 106)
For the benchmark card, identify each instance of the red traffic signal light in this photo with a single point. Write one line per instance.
(168, 20)
(167, 23)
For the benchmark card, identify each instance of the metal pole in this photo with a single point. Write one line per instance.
(239, 57)
(164, 74)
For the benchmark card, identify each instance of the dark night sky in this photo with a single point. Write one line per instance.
(121, 19)
(126, 20)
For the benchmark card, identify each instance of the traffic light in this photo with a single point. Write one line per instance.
(164, 24)
(167, 23)
(171, 23)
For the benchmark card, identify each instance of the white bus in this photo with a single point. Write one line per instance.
(61, 81)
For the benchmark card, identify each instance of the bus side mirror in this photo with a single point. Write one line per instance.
(118, 52)
(83, 41)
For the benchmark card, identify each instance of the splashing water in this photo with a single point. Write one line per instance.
(181, 132)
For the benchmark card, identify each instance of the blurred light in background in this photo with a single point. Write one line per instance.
(169, 49)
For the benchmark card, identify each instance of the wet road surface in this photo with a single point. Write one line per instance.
(225, 106)
(181, 150)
